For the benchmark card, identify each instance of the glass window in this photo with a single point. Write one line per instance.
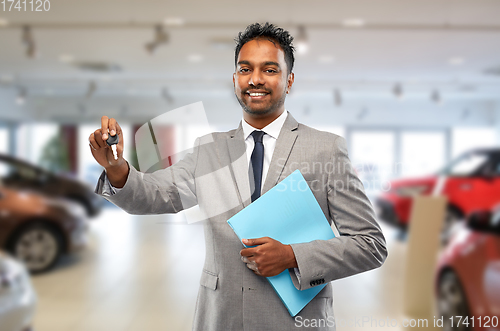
(372, 155)
(422, 153)
(466, 164)
(465, 139)
(4, 141)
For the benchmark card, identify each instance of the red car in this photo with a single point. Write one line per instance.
(468, 275)
(471, 182)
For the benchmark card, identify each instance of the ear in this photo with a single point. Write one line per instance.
(290, 80)
(234, 78)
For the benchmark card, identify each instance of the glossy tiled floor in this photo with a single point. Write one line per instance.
(142, 273)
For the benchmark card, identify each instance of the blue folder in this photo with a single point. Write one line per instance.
(290, 214)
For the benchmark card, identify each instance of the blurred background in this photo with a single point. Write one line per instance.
(413, 86)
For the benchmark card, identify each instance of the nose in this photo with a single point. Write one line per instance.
(256, 78)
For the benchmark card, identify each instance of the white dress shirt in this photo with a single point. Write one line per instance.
(272, 131)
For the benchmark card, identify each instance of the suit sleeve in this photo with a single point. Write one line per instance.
(167, 190)
(361, 245)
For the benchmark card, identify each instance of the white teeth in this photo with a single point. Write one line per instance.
(256, 94)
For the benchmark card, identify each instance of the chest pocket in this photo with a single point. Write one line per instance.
(209, 279)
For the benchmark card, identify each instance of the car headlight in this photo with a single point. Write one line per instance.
(12, 273)
(411, 191)
(70, 207)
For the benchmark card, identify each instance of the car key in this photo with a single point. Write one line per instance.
(112, 141)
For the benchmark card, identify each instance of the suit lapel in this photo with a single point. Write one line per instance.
(284, 144)
(239, 165)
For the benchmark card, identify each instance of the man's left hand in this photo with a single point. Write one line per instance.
(269, 257)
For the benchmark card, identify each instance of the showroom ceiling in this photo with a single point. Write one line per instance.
(372, 49)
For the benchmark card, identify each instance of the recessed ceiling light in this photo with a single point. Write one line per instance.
(195, 58)
(6, 78)
(326, 59)
(353, 22)
(223, 43)
(66, 58)
(173, 21)
(3, 22)
(456, 61)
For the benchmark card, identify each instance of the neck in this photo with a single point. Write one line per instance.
(260, 122)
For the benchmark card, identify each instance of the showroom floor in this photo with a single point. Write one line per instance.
(142, 273)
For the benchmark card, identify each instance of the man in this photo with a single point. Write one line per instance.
(234, 293)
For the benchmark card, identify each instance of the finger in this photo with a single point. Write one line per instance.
(92, 141)
(246, 260)
(119, 149)
(256, 241)
(253, 266)
(112, 126)
(118, 129)
(104, 127)
(92, 147)
(98, 138)
(247, 252)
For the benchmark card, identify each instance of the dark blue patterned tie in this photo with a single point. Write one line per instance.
(257, 161)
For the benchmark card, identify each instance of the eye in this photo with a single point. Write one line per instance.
(242, 70)
(271, 71)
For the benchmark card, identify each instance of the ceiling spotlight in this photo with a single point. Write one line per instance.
(398, 91)
(173, 21)
(195, 58)
(81, 108)
(362, 114)
(66, 58)
(302, 42)
(21, 96)
(353, 22)
(326, 59)
(28, 41)
(161, 37)
(456, 61)
(91, 90)
(337, 96)
(165, 94)
(436, 97)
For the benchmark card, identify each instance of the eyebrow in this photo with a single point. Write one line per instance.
(267, 63)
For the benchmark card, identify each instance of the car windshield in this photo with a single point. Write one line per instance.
(466, 164)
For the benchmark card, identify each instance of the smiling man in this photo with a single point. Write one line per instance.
(268, 145)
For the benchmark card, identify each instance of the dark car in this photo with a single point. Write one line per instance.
(18, 174)
(468, 274)
(37, 230)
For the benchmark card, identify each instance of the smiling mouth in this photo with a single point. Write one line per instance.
(257, 95)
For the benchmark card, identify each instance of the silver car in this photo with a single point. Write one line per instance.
(17, 296)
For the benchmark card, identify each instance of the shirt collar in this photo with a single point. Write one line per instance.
(273, 129)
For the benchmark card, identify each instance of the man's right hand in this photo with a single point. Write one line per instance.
(117, 170)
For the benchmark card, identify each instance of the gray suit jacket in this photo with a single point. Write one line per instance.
(215, 176)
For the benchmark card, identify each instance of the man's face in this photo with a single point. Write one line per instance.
(261, 80)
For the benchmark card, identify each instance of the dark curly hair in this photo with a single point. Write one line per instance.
(270, 32)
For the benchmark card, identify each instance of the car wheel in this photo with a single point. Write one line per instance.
(452, 302)
(38, 246)
(452, 218)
